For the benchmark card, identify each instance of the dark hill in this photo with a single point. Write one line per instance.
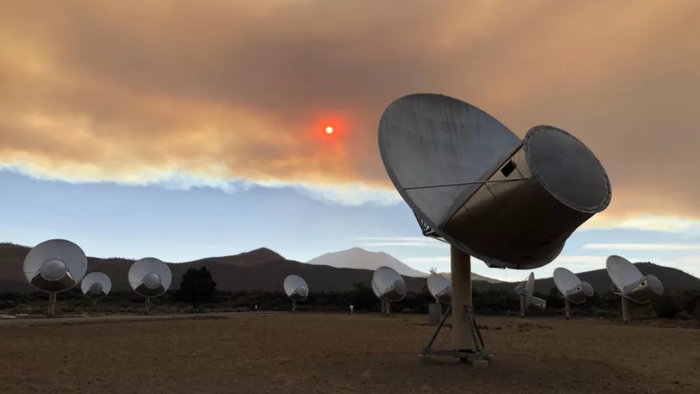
(264, 269)
(672, 278)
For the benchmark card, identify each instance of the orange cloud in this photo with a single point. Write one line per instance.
(126, 91)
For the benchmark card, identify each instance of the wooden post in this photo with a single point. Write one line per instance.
(461, 299)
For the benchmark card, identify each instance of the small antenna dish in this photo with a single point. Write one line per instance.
(631, 284)
(571, 288)
(149, 277)
(440, 287)
(525, 291)
(296, 289)
(389, 286)
(96, 285)
(473, 183)
(54, 266)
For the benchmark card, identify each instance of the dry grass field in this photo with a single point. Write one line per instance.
(319, 353)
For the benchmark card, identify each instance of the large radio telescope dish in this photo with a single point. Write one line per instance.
(571, 287)
(630, 282)
(96, 285)
(440, 287)
(54, 266)
(473, 183)
(389, 284)
(150, 277)
(525, 291)
(296, 288)
(376, 291)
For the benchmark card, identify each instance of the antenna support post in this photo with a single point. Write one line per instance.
(468, 344)
(625, 310)
(51, 309)
(567, 308)
(461, 298)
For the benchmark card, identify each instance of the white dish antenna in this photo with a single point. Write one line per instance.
(440, 287)
(472, 183)
(631, 284)
(390, 284)
(525, 291)
(150, 278)
(571, 287)
(296, 289)
(54, 266)
(96, 285)
(389, 287)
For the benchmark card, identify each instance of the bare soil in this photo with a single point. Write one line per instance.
(334, 353)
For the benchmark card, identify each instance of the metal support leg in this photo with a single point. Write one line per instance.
(51, 309)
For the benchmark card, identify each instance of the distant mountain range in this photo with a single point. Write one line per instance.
(358, 258)
(265, 269)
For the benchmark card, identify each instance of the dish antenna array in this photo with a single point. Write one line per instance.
(571, 288)
(631, 284)
(389, 286)
(525, 290)
(96, 285)
(441, 289)
(471, 182)
(149, 277)
(54, 266)
(296, 289)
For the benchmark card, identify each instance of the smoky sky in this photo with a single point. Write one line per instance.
(117, 91)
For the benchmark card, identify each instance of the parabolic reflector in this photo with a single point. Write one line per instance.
(150, 277)
(296, 288)
(630, 282)
(96, 285)
(440, 287)
(55, 265)
(525, 291)
(376, 291)
(571, 287)
(389, 283)
(472, 182)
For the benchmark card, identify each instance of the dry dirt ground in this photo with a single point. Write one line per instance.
(327, 353)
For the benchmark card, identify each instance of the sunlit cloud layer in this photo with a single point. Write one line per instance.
(221, 92)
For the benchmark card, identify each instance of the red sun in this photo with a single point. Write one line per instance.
(329, 130)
